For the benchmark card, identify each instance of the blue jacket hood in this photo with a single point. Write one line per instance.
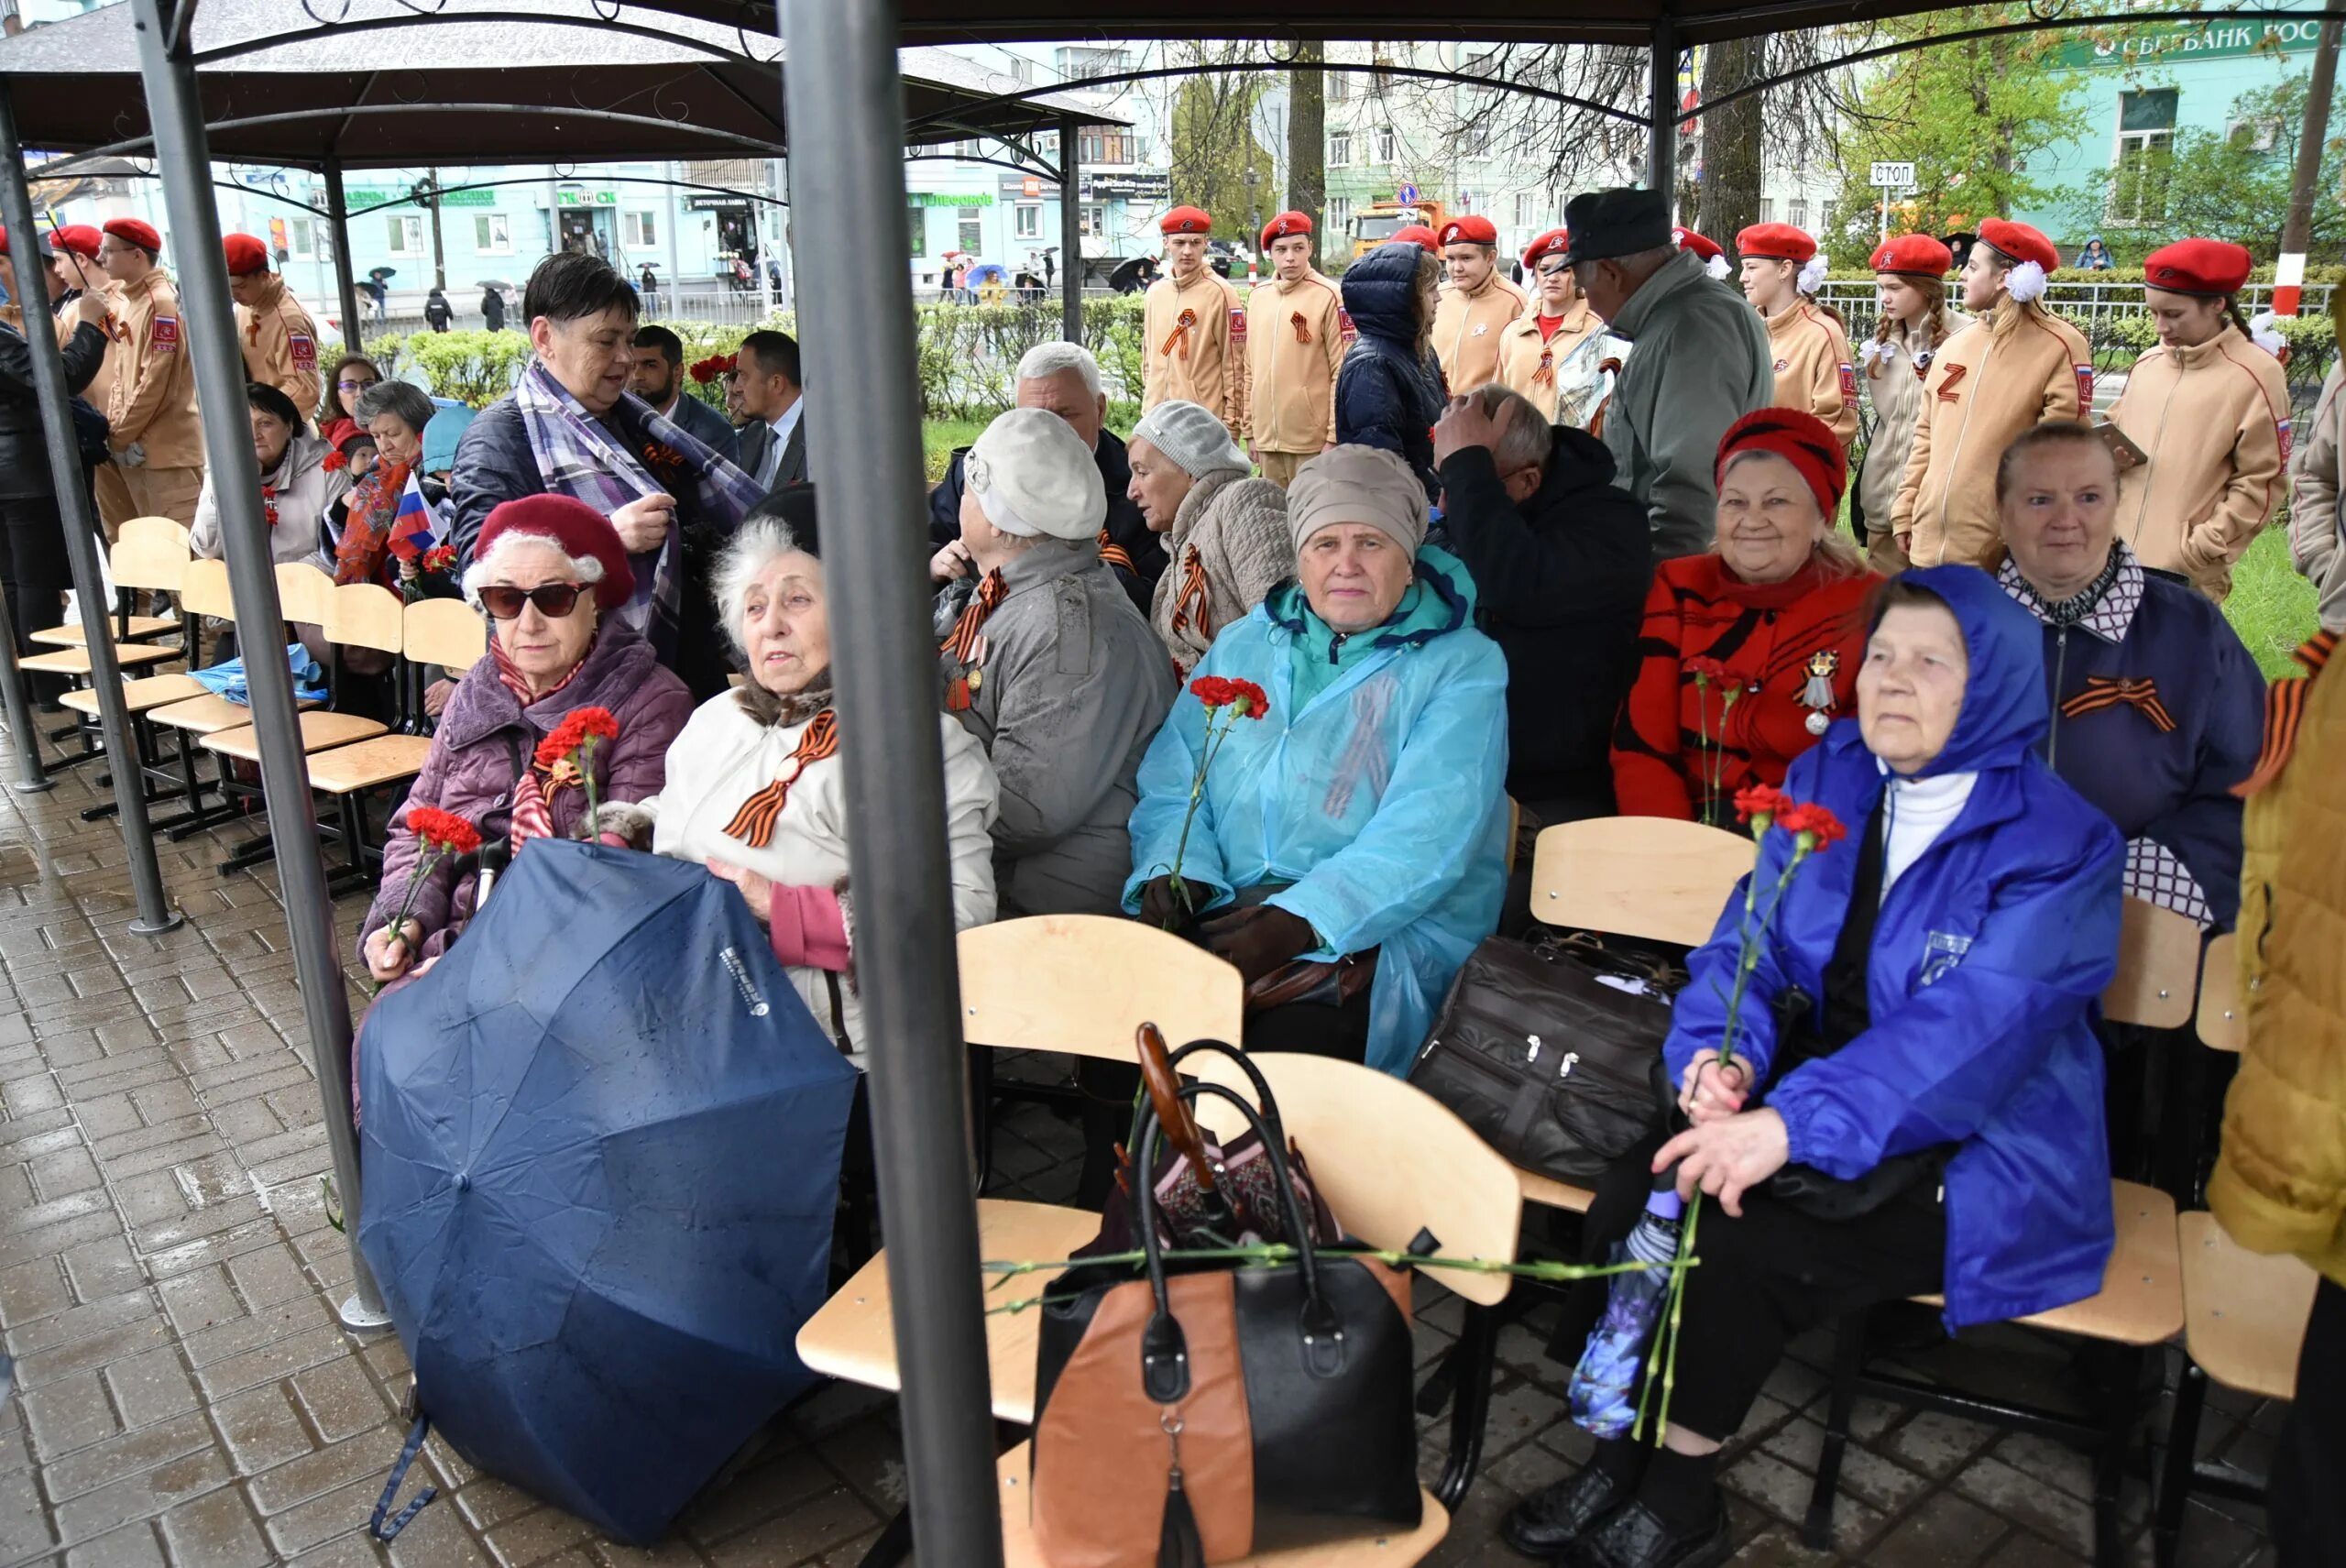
(2005, 711)
(1381, 291)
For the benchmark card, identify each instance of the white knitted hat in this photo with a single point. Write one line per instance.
(1192, 437)
(1033, 475)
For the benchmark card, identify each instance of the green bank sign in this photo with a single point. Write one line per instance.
(2173, 42)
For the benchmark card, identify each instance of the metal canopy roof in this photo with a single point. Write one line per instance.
(472, 81)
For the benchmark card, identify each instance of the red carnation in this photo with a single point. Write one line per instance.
(443, 831)
(1213, 691)
(439, 558)
(1710, 670)
(334, 462)
(1760, 800)
(1817, 821)
(574, 741)
(1251, 695)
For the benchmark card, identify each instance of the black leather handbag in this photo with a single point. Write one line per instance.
(1264, 1406)
(1556, 1068)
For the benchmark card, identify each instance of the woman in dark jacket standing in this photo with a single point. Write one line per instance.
(1390, 390)
(32, 537)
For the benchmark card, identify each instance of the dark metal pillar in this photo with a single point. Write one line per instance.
(1071, 233)
(1661, 110)
(30, 779)
(167, 65)
(73, 506)
(846, 117)
(345, 284)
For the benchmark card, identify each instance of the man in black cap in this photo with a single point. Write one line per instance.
(1699, 360)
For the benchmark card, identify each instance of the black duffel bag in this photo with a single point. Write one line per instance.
(1557, 1070)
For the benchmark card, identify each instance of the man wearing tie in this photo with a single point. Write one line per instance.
(774, 444)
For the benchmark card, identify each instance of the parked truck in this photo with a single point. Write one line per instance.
(1380, 221)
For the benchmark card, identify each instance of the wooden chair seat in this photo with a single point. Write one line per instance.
(204, 715)
(2244, 1313)
(1555, 1194)
(76, 661)
(2141, 1299)
(320, 731)
(140, 695)
(142, 627)
(1019, 1551)
(853, 1336)
(386, 759)
(2223, 1011)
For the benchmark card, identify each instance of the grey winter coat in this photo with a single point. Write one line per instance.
(1700, 361)
(1072, 687)
(1236, 529)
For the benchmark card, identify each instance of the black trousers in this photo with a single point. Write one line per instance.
(34, 574)
(1765, 1278)
(2304, 1505)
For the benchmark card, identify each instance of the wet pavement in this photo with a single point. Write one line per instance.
(168, 1274)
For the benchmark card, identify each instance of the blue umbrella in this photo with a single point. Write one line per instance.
(601, 1148)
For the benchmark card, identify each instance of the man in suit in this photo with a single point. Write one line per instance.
(765, 378)
(658, 378)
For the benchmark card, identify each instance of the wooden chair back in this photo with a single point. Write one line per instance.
(1390, 1160)
(363, 615)
(2158, 968)
(1084, 983)
(204, 591)
(149, 552)
(447, 632)
(2223, 1011)
(1653, 877)
(304, 594)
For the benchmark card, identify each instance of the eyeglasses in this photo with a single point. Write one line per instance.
(356, 386)
(554, 600)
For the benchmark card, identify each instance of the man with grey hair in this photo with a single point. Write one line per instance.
(1561, 558)
(1700, 359)
(1062, 378)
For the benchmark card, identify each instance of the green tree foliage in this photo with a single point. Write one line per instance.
(1214, 147)
(2235, 183)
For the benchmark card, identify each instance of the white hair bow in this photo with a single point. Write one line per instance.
(2025, 282)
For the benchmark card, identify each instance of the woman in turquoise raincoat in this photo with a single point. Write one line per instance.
(1360, 822)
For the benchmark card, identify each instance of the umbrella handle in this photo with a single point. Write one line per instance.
(1172, 1111)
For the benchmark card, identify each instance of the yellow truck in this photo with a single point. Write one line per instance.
(1380, 221)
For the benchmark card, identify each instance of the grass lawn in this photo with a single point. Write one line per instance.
(2271, 606)
(939, 437)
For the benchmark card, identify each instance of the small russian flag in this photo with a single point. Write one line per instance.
(412, 532)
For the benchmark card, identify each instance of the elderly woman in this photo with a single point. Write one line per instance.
(1389, 390)
(297, 485)
(547, 573)
(1225, 534)
(337, 414)
(755, 791)
(1751, 650)
(394, 413)
(1348, 852)
(1932, 1122)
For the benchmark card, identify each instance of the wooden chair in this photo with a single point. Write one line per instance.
(2244, 1323)
(150, 553)
(2139, 1307)
(362, 615)
(2223, 1011)
(1424, 1170)
(443, 633)
(304, 593)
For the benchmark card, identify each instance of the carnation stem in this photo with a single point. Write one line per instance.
(586, 769)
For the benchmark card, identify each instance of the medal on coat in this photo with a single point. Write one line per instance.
(961, 692)
(1817, 695)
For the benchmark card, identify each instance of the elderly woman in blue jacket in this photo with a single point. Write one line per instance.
(1916, 1100)
(1359, 824)
(1389, 390)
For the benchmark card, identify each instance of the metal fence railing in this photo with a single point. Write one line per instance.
(2081, 302)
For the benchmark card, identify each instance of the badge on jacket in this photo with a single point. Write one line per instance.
(1237, 322)
(1344, 323)
(2282, 429)
(1947, 394)
(304, 348)
(1848, 382)
(1942, 951)
(2084, 388)
(1481, 327)
(165, 335)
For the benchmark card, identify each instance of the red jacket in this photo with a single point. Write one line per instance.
(1766, 636)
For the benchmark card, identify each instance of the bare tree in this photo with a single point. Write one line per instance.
(1212, 150)
(1306, 139)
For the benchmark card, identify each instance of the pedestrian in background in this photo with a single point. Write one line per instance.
(492, 308)
(437, 311)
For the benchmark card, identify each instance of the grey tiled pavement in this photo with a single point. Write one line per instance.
(166, 1275)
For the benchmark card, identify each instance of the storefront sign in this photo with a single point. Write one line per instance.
(587, 198)
(356, 197)
(1119, 187)
(949, 198)
(2143, 43)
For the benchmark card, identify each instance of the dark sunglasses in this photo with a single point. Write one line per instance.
(554, 600)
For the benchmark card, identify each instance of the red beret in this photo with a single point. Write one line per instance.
(582, 532)
(2019, 242)
(1470, 230)
(1687, 239)
(43, 245)
(80, 238)
(1186, 220)
(1415, 234)
(1775, 242)
(1801, 439)
(143, 235)
(1555, 242)
(245, 254)
(1285, 227)
(2209, 267)
(1914, 255)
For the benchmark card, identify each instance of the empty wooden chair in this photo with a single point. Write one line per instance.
(150, 553)
(361, 615)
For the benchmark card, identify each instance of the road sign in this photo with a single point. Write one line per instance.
(1409, 194)
(1892, 176)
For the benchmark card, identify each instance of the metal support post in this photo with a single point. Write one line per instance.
(167, 65)
(30, 777)
(1661, 110)
(345, 284)
(846, 117)
(73, 507)
(1071, 233)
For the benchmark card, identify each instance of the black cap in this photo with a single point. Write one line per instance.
(1620, 221)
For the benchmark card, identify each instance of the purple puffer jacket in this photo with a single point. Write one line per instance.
(471, 767)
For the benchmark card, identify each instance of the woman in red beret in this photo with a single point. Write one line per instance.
(2209, 409)
(547, 572)
(1909, 281)
(1749, 651)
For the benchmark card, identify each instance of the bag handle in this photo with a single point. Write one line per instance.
(1172, 1113)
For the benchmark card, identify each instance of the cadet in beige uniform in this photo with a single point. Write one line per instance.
(1814, 372)
(2211, 411)
(158, 439)
(1194, 328)
(280, 340)
(1297, 333)
(1555, 352)
(1476, 306)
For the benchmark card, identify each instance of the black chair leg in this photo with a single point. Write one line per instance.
(1849, 1360)
(1475, 1364)
(2175, 1480)
(895, 1544)
(2118, 1419)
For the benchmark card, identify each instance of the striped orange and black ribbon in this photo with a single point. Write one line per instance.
(1303, 327)
(753, 823)
(1181, 325)
(1115, 555)
(1194, 592)
(2109, 691)
(1546, 375)
(2285, 709)
(992, 590)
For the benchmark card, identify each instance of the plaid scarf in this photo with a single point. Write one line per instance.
(580, 456)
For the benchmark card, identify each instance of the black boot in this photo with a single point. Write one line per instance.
(1634, 1536)
(1545, 1525)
